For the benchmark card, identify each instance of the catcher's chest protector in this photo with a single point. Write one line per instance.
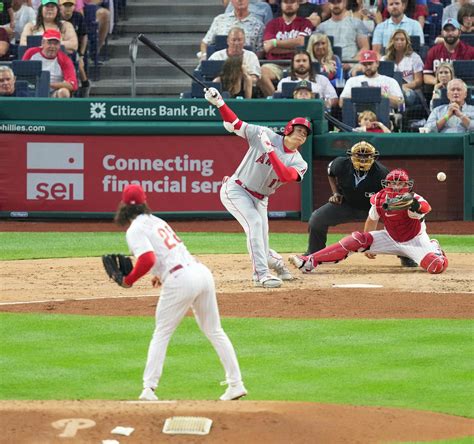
(399, 225)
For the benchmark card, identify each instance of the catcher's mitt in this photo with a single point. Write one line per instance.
(117, 266)
(405, 201)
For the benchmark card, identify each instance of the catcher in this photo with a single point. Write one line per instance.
(186, 283)
(403, 214)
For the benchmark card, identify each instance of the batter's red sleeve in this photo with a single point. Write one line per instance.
(142, 267)
(284, 173)
(229, 116)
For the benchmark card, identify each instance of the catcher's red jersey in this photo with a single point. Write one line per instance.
(402, 225)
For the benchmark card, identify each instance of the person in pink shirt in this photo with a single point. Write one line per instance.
(63, 81)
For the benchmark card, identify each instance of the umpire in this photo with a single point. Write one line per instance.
(353, 179)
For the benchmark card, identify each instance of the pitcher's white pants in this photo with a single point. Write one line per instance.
(190, 287)
(252, 214)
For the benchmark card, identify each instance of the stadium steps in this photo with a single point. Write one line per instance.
(176, 26)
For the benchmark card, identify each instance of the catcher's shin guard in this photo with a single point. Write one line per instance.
(434, 263)
(357, 241)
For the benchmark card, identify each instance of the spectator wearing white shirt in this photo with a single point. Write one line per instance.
(302, 69)
(397, 20)
(408, 62)
(235, 48)
(390, 87)
(23, 14)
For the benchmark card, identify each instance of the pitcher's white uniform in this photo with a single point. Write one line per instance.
(186, 283)
(245, 193)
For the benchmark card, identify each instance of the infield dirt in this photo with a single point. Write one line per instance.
(63, 284)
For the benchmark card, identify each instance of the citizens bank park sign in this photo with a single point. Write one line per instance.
(124, 111)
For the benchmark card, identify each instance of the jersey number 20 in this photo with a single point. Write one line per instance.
(169, 237)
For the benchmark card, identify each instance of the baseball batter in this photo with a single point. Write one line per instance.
(404, 231)
(271, 161)
(186, 283)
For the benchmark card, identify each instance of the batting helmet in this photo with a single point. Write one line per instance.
(362, 155)
(397, 182)
(297, 121)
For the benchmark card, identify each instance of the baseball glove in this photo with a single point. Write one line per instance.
(117, 266)
(405, 201)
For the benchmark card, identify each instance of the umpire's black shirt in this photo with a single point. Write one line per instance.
(357, 193)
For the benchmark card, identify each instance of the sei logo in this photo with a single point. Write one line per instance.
(55, 171)
(55, 186)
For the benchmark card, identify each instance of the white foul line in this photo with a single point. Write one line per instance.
(79, 299)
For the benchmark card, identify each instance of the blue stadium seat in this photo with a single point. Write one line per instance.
(337, 50)
(415, 43)
(210, 69)
(468, 38)
(365, 98)
(386, 68)
(464, 69)
(31, 72)
(435, 15)
(220, 41)
(33, 40)
(197, 91)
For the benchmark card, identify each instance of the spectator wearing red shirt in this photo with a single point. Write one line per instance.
(281, 37)
(63, 75)
(452, 48)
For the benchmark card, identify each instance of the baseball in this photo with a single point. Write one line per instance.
(441, 176)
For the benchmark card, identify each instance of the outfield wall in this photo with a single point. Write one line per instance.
(69, 159)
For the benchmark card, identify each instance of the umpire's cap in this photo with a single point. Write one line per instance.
(133, 194)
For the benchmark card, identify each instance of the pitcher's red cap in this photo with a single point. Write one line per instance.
(133, 194)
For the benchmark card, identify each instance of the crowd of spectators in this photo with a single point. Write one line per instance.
(327, 47)
(62, 43)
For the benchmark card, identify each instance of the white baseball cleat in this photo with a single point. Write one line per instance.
(148, 394)
(269, 281)
(234, 391)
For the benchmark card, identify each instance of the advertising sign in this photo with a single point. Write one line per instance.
(49, 173)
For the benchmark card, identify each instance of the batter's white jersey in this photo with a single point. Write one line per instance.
(150, 233)
(255, 170)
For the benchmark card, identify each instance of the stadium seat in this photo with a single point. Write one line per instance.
(210, 69)
(220, 41)
(415, 43)
(468, 38)
(197, 91)
(337, 50)
(435, 14)
(31, 72)
(365, 98)
(386, 68)
(464, 69)
(33, 40)
(92, 35)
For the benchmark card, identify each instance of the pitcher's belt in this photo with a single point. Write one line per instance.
(253, 193)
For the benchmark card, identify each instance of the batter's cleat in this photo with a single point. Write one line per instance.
(407, 262)
(269, 281)
(276, 263)
(235, 390)
(148, 394)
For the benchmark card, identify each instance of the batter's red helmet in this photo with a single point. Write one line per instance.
(398, 176)
(297, 121)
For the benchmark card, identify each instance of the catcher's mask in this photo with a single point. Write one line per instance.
(397, 182)
(297, 121)
(363, 156)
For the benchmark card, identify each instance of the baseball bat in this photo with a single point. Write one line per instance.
(155, 48)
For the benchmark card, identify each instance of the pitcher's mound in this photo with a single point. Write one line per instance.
(233, 422)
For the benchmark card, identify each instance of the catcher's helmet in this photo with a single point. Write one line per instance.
(397, 182)
(363, 155)
(297, 121)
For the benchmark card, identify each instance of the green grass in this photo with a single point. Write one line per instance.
(422, 364)
(49, 245)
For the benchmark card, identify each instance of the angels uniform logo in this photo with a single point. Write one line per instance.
(98, 110)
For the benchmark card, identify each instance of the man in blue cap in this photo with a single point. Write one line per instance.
(451, 48)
